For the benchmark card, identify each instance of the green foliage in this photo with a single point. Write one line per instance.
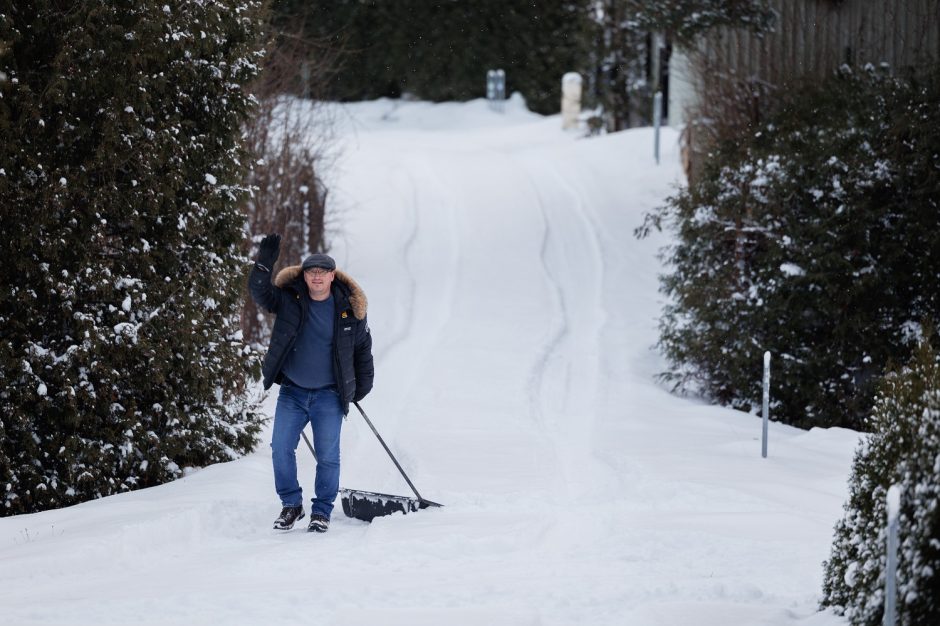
(442, 50)
(121, 362)
(903, 450)
(816, 237)
(686, 20)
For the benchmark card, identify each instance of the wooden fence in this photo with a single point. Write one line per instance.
(810, 39)
(815, 37)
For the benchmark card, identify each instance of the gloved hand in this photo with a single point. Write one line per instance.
(268, 251)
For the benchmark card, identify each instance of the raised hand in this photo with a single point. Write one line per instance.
(269, 250)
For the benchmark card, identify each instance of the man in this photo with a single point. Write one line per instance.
(321, 356)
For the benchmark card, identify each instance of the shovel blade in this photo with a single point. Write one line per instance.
(367, 505)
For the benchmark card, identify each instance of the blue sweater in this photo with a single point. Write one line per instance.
(310, 362)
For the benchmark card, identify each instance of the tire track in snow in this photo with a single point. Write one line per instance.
(403, 330)
(572, 262)
(358, 444)
(551, 345)
(436, 309)
(604, 473)
(426, 307)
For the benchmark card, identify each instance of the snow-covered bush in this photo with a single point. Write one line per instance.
(815, 236)
(121, 361)
(903, 449)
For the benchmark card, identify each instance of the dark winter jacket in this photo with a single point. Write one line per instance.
(287, 297)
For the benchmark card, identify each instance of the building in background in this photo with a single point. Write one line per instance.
(732, 71)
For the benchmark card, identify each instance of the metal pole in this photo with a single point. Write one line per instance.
(891, 568)
(657, 119)
(766, 407)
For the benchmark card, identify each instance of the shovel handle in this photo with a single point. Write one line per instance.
(392, 456)
(303, 434)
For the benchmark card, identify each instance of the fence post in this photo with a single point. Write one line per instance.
(891, 567)
(766, 404)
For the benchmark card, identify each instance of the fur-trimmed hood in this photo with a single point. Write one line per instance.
(357, 297)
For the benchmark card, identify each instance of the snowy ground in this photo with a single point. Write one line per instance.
(513, 313)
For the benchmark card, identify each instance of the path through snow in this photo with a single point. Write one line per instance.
(513, 314)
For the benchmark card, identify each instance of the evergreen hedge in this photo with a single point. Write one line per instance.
(121, 362)
(442, 50)
(815, 236)
(903, 450)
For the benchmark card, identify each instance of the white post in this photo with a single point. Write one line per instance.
(891, 568)
(570, 100)
(766, 407)
(657, 120)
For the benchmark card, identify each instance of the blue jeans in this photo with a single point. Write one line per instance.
(296, 407)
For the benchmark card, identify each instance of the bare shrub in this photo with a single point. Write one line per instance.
(287, 140)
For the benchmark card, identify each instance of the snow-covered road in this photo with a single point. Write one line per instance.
(512, 313)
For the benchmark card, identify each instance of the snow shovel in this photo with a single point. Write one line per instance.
(367, 505)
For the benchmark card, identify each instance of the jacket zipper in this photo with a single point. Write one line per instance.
(303, 319)
(337, 370)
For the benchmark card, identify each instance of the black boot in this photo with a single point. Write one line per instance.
(318, 524)
(289, 515)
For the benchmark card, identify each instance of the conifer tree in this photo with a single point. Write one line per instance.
(121, 362)
(815, 236)
(442, 50)
(903, 450)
